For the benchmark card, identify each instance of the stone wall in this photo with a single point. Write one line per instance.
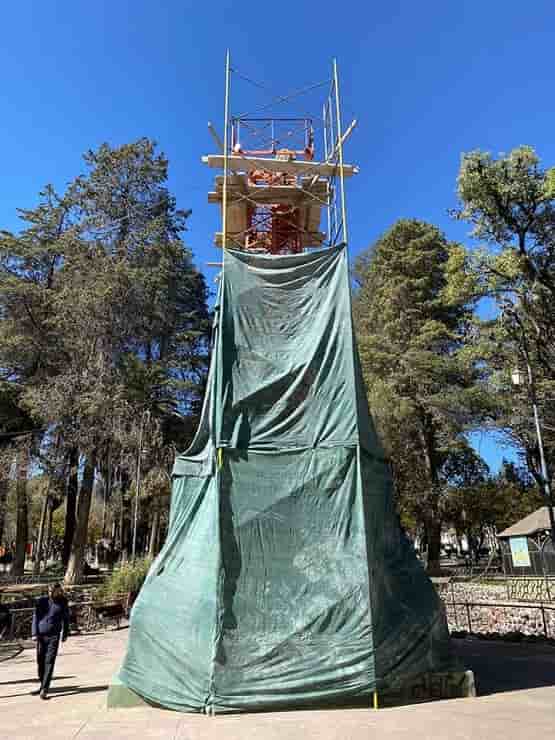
(484, 609)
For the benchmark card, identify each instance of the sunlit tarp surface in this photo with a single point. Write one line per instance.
(285, 579)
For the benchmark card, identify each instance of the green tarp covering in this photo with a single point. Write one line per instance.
(285, 579)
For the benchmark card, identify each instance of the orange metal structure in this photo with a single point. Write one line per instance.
(272, 227)
(273, 192)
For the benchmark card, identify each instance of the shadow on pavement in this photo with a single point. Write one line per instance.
(56, 692)
(69, 690)
(32, 680)
(505, 666)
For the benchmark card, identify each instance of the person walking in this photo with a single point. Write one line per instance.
(50, 624)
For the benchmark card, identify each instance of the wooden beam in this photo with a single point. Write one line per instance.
(274, 194)
(214, 135)
(237, 240)
(293, 167)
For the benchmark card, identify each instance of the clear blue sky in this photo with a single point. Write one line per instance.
(427, 80)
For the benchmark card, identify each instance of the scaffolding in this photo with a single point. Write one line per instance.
(277, 181)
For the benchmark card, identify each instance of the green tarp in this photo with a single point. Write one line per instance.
(285, 579)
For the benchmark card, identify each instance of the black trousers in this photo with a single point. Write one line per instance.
(47, 650)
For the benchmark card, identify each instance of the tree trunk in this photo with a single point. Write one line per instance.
(22, 527)
(103, 528)
(433, 527)
(53, 504)
(107, 489)
(126, 539)
(41, 534)
(76, 564)
(154, 528)
(71, 502)
(48, 536)
(433, 519)
(121, 522)
(4, 486)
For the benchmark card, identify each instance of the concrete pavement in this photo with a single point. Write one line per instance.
(517, 683)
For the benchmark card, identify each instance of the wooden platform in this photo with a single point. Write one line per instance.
(238, 188)
(294, 167)
(237, 242)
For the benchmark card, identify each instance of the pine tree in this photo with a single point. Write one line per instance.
(103, 317)
(411, 322)
(510, 201)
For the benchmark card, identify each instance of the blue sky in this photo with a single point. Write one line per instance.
(426, 81)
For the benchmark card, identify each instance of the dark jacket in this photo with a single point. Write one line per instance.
(50, 617)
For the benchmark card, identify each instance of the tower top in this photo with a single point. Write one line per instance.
(280, 178)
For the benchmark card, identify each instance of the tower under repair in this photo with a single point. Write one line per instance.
(285, 580)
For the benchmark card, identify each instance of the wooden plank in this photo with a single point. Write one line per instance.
(293, 167)
(309, 240)
(274, 194)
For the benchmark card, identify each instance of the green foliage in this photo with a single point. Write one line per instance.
(128, 578)
(501, 197)
(413, 311)
(103, 319)
(511, 203)
(411, 323)
(480, 506)
(410, 318)
(550, 184)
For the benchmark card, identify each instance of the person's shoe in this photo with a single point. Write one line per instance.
(35, 692)
(43, 695)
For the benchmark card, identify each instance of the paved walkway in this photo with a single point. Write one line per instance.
(517, 683)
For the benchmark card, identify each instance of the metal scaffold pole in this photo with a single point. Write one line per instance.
(327, 155)
(218, 417)
(340, 150)
(226, 147)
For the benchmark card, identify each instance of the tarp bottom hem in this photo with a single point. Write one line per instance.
(423, 688)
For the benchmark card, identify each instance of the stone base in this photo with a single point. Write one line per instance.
(427, 687)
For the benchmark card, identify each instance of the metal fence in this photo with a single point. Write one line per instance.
(8, 580)
(517, 588)
(531, 589)
(85, 616)
(465, 618)
(541, 552)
